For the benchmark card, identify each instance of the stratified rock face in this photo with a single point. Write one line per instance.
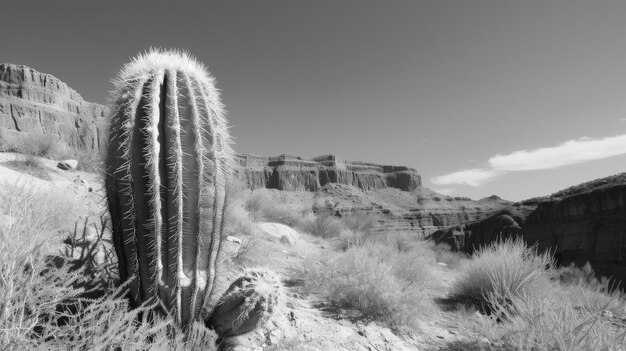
(293, 173)
(34, 102)
(583, 227)
(586, 223)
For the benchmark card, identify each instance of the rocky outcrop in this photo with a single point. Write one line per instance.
(34, 102)
(586, 223)
(292, 173)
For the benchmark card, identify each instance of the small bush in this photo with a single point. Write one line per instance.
(263, 207)
(36, 144)
(556, 323)
(325, 227)
(505, 269)
(374, 279)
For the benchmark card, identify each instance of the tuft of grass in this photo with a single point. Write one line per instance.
(556, 322)
(504, 269)
(325, 227)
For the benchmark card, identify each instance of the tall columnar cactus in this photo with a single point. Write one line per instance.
(168, 159)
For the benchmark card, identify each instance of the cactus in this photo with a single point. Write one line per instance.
(247, 303)
(168, 159)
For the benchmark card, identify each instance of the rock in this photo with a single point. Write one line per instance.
(67, 165)
(286, 172)
(34, 102)
(279, 231)
(581, 224)
(233, 239)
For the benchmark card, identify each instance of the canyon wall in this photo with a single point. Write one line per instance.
(292, 173)
(39, 103)
(586, 223)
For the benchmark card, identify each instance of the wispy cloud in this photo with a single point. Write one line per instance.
(568, 153)
(472, 177)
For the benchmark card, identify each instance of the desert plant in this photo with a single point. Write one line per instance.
(505, 270)
(36, 144)
(375, 280)
(325, 227)
(249, 300)
(168, 162)
(47, 304)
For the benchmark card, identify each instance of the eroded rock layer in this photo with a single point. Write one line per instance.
(34, 102)
(293, 173)
(585, 223)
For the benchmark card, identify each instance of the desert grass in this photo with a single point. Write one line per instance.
(50, 306)
(262, 206)
(531, 307)
(505, 269)
(376, 280)
(325, 227)
(54, 148)
(36, 144)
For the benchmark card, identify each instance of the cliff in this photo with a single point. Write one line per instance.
(293, 173)
(34, 102)
(585, 223)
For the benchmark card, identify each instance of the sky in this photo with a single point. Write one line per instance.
(513, 98)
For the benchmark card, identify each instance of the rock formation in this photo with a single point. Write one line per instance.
(292, 173)
(585, 223)
(34, 102)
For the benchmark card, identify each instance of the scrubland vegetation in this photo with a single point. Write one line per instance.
(511, 294)
(50, 147)
(51, 300)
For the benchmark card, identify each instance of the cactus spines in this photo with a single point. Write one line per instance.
(168, 159)
(248, 302)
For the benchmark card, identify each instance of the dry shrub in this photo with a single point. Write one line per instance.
(263, 207)
(505, 269)
(531, 310)
(375, 279)
(36, 144)
(50, 306)
(557, 322)
(325, 227)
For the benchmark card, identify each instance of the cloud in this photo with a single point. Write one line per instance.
(471, 177)
(568, 153)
